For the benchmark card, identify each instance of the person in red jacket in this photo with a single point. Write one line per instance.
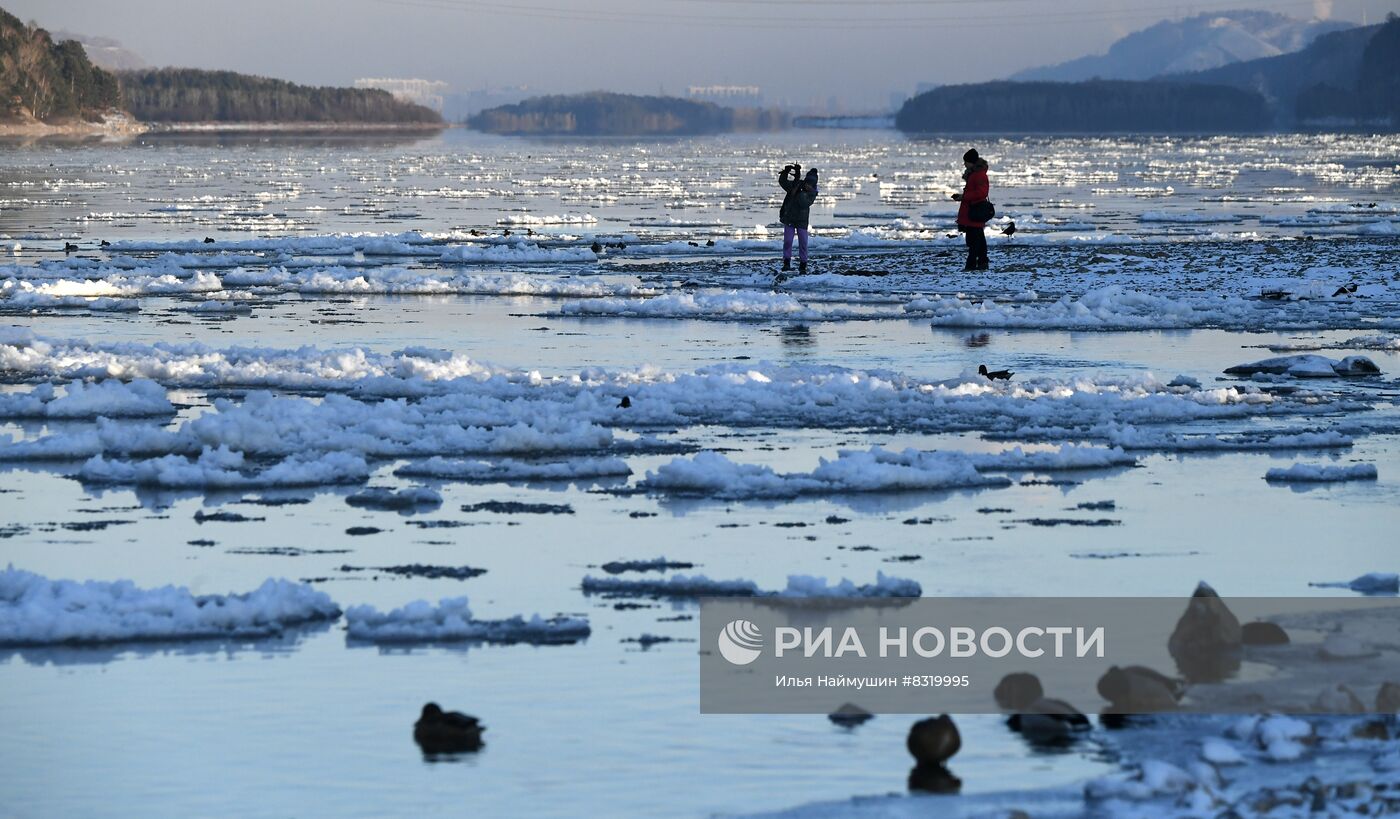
(975, 189)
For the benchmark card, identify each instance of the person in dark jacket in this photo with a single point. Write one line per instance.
(975, 189)
(796, 212)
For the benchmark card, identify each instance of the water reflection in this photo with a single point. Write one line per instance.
(797, 337)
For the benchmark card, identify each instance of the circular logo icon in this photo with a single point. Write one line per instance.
(740, 642)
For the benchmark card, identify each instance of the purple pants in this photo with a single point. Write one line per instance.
(788, 230)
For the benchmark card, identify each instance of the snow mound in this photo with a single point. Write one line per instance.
(1312, 473)
(35, 610)
(451, 621)
(798, 586)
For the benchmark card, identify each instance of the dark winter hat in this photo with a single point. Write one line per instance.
(812, 177)
(971, 155)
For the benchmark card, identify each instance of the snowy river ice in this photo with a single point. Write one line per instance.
(252, 332)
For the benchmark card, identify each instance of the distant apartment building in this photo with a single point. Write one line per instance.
(427, 93)
(731, 96)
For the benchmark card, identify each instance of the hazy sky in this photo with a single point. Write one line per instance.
(798, 50)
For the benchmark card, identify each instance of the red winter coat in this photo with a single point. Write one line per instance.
(976, 190)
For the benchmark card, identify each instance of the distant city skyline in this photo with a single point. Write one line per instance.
(812, 53)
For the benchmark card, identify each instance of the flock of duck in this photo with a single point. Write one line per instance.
(1206, 645)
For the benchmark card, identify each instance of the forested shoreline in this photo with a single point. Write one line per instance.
(189, 95)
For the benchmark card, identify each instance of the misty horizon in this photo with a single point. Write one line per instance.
(854, 56)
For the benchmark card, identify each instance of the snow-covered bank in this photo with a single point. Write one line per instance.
(452, 621)
(798, 586)
(35, 610)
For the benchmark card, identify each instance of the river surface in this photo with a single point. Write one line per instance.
(309, 723)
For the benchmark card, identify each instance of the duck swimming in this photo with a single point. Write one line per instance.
(934, 741)
(447, 732)
(1049, 722)
(994, 375)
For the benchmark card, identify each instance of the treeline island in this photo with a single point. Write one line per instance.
(1348, 79)
(606, 114)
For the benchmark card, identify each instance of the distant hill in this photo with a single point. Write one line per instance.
(607, 114)
(47, 81)
(1194, 44)
(1101, 106)
(190, 95)
(1345, 79)
(105, 52)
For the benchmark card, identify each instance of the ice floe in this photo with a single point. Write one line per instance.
(711, 474)
(405, 281)
(1115, 307)
(1313, 473)
(110, 398)
(1369, 583)
(515, 470)
(1133, 438)
(732, 305)
(452, 621)
(466, 407)
(408, 499)
(220, 468)
(522, 253)
(1308, 366)
(798, 586)
(35, 610)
